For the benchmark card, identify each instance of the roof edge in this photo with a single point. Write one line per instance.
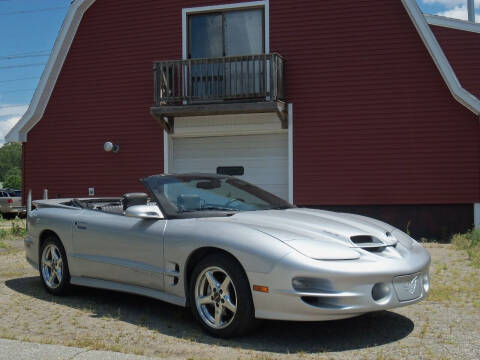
(457, 24)
(51, 72)
(460, 94)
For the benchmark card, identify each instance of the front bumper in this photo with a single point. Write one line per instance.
(343, 289)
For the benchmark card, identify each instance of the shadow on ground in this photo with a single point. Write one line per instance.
(273, 336)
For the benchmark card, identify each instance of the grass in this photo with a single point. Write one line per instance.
(16, 229)
(470, 242)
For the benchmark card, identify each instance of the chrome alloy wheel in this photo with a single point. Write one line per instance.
(52, 266)
(215, 297)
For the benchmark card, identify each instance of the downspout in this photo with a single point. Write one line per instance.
(471, 10)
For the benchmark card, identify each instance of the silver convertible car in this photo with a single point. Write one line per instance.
(232, 252)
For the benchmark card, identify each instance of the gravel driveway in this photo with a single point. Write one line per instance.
(446, 326)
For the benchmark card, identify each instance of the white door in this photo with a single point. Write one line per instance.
(264, 158)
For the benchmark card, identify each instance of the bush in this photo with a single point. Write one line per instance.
(13, 179)
(470, 242)
(10, 157)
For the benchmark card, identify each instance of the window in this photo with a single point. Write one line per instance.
(230, 33)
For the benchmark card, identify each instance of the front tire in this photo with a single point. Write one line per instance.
(54, 266)
(220, 296)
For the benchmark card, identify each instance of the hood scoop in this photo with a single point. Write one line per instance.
(369, 243)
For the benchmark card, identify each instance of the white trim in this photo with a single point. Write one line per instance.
(166, 152)
(195, 10)
(230, 133)
(290, 153)
(50, 74)
(476, 215)
(452, 23)
(443, 65)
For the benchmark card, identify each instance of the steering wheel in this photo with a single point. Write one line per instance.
(230, 202)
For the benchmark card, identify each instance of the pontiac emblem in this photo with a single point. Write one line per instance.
(412, 285)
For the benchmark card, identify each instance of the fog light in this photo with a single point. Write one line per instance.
(381, 293)
(301, 284)
(426, 283)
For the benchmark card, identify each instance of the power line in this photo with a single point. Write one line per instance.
(14, 91)
(21, 66)
(20, 79)
(21, 12)
(22, 56)
(29, 52)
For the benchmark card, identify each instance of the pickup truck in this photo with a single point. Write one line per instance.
(11, 204)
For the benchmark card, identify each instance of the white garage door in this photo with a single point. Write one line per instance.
(263, 157)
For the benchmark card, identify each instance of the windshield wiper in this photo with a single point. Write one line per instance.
(209, 208)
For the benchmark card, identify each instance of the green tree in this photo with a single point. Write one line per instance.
(13, 179)
(10, 157)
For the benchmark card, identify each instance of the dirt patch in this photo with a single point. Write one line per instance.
(443, 327)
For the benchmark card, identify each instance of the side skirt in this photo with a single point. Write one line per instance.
(132, 289)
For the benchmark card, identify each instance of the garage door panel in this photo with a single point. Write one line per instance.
(264, 158)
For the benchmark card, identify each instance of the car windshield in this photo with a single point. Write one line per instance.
(178, 194)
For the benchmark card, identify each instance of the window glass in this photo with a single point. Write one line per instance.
(243, 32)
(206, 38)
(230, 33)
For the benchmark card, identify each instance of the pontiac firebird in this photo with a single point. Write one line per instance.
(230, 251)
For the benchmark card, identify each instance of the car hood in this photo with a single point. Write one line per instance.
(322, 234)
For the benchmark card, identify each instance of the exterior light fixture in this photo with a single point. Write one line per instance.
(110, 147)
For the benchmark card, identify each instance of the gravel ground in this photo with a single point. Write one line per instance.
(445, 326)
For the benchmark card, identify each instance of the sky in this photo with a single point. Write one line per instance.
(28, 29)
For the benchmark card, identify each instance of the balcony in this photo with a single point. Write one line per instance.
(217, 86)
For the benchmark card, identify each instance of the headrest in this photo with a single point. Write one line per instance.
(132, 199)
(188, 202)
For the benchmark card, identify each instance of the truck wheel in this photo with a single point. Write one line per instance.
(9, 216)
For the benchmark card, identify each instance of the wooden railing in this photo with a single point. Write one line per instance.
(233, 78)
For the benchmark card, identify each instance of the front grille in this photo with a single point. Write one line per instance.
(324, 303)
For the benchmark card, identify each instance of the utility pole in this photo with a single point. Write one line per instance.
(471, 10)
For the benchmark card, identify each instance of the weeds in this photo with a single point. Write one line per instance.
(470, 242)
(16, 229)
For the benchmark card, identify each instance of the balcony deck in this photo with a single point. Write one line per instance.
(218, 86)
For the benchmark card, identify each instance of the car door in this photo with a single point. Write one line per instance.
(119, 248)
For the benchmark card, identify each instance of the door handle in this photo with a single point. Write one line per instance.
(81, 225)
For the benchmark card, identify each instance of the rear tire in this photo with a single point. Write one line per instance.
(220, 297)
(54, 266)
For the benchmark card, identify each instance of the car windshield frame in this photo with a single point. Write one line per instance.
(201, 186)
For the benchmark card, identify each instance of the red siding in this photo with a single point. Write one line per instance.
(463, 51)
(373, 121)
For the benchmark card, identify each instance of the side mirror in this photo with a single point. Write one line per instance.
(151, 212)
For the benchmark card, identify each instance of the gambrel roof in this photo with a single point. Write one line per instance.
(78, 8)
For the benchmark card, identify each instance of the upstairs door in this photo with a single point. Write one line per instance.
(212, 36)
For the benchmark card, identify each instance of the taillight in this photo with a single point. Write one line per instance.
(10, 201)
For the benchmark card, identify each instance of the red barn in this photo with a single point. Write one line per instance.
(365, 106)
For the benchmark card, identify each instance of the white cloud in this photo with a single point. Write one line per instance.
(6, 125)
(12, 110)
(450, 3)
(458, 12)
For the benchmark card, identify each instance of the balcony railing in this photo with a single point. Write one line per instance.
(233, 78)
